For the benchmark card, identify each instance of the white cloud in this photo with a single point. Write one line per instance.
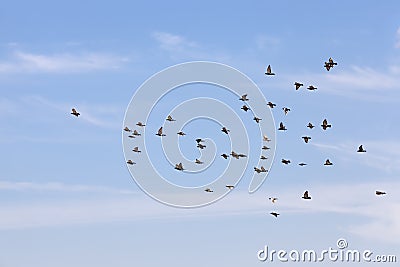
(60, 63)
(172, 42)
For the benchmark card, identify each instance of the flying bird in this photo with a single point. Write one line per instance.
(208, 190)
(199, 140)
(169, 118)
(310, 125)
(312, 88)
(268, 71)
(140, 124)
(325, 124)
(130, 162)
(198, 161)
(179, 167)
(302, 164)
(225, 156)
(257, 119)
(285, 161)
(131, 136)
(201, 146)
(263, 157)
(265, 148)
(379, 193)
(234, 154)
(160, 132)
(298, 85)
(328, 163)
(261, 169)
(274, 214)
(305, 195)
(181, 133)
(273, 199)
(126, 129)
(282, 127)
(244, 98)
(271, 105)
(136, 133)
(265, 138)
(136, 149)
(225, 130)
(361, 149)
(328, 65)
(245, 108)
(230, 187)
(286, 110)
(75, 113)
(306, 138)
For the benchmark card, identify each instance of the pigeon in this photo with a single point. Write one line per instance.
(198, 161)
(230, 187)
(271, 105)
(140, 124)
(234, 154)
(179, 167)
(310, 125)
(199, 140)
(225, 156)
(265, 138)
(302, 164)
(285, 161)
(136, 149)
(312, 88)
(225, 130)
(160, 133)
(328, 65)
(136, 133)
(268, 71)
(274, 214)
(245, 108)
(379, 193)
(199, 145)
(130, 162)
(263, 157)
(298, 85)
(244, 98)
(273, 199)
(126, 129)
(257, 170)
(181, 133)
(286, 110)
(265, 148)
(306, 138)
(328, 163)
(282, 127)
(208, 190)
(169, 118)
(325, 124)
(257, 119)
(75, 113)
(305, 195)
(263, 169)
(361, 149)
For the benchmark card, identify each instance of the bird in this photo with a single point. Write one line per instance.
(140, 124)
(245, 108)
(131, 136)
(225, 130)
(312, 88)
(265, 148)
(179, 167)
(285, 161)
(266, 139)
(75, 113)
(305, 195)
(328, 163)
(225, 156)
(257, 170)
(244, 98)
(298, 85)
(160, 132)
(126, 129)
(268, 71)
(379, 193)
(361, 149)
(286, 110)
(263, 157)
(208, 190)
(310, 125)
(263, 169)
(242, 155)
(136, 133)
(273, 199)
(201, 146)
(257, 119)
(302, 164)
(130, 162)
(234, 154)
(328, 65)
(271, 105)
(169, 118)
(274, 214)
(136, 149)
(306, 138)
(282, 127)
(325, 124)
(198, 161)
(230, 187)
(181, 133)
(199, 140)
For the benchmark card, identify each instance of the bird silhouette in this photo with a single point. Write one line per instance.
(328, 65)
(244, 98)
(136, 133)
(265, 148)
(160, 132)
(257, 170)
(75, 113)
(274, 214)
(328, 163)
(245, 108)
(235, 155)
(225, 156)
(310, 125)
(199, 140)
(169, 118)
(208, 190)
(126, 129)
(306, 138)
(273, 199)
(130, 162)
(268, 71)
(230, 187)
(282, 127)
(286, 110)
(305, 195)
(312, 88)
(198, 161)
(179, 167)
(224, 130)
(271, 105)
(325, 124)
(266, 139)
(131, 136)
(298, 85)
(136, 149)
(257, 119)
(140, 124)
(201, 146)
(302, 164)
(181, 133)
(263, 157)
(379, 193)
(285, 161)
(361, 149)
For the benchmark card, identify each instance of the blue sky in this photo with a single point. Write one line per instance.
(66, 196)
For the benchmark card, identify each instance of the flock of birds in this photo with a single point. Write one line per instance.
(200, 142)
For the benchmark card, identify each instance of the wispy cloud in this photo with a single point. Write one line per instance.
(173, 42)
(20, 61)
(397, 44)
